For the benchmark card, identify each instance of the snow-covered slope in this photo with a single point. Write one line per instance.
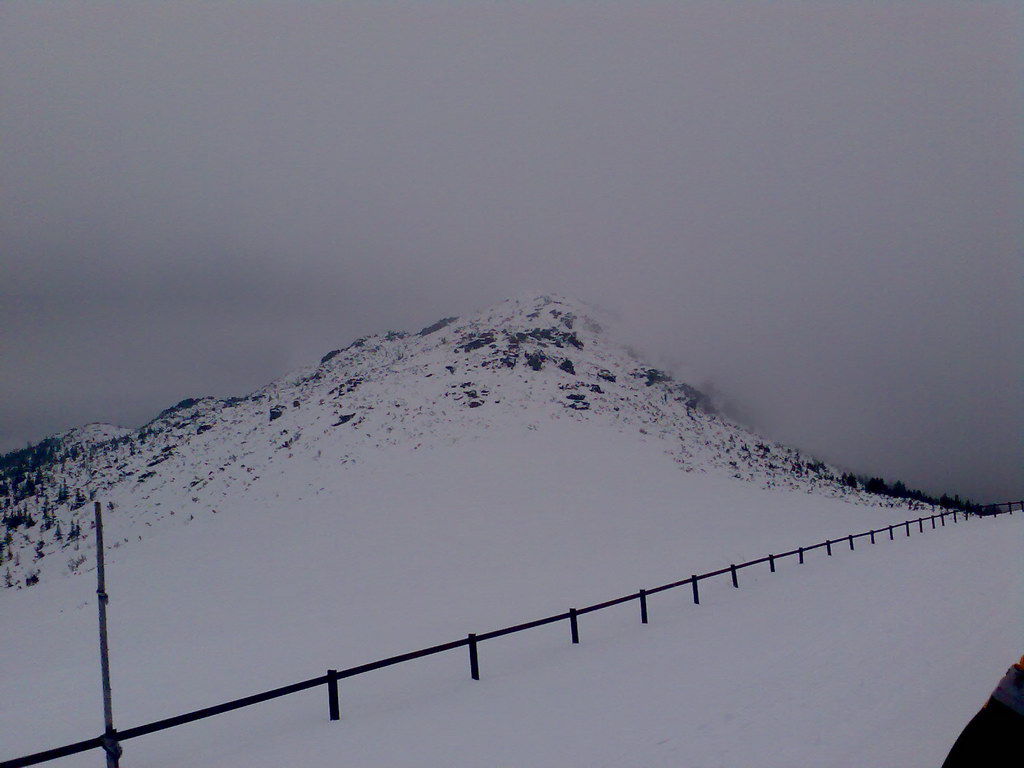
(873, 657)
(411, 489)
(520, 364)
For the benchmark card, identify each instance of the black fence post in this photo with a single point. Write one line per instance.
(574, 626)
(771, 562)
(828, 546)
(643, 606)
(801, 551)
(851, 542)
(920, 525)
(954, 516)
(474, 661)
(908, 527)
(890, 533)
(332, 694)
(942, 519)
(732, 569)
(933, 522)
(110, 745)
(696, 591)
(872, 535)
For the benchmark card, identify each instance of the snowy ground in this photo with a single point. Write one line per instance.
(873, 657)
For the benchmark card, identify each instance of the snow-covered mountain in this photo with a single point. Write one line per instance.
(411, 489)
(515, 366)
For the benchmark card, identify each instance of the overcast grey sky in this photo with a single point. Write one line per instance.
(813, 206)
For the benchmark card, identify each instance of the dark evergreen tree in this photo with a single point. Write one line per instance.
(876, 485)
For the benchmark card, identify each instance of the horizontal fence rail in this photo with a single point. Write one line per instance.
(472, 641)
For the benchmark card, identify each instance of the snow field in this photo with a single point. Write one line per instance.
(875, 657)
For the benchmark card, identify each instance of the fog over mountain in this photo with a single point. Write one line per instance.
(810, 210)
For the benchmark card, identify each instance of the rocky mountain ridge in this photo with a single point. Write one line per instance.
(518, 364)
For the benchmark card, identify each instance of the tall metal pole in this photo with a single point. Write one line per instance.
(110, 745)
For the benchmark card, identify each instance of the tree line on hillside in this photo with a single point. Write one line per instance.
(899, 490)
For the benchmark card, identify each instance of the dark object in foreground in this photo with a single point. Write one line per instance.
(994, 733)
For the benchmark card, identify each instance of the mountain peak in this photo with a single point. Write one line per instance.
(542, 309)
(533, 362)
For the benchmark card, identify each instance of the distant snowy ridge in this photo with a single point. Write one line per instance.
(96, 432)
(517, 365)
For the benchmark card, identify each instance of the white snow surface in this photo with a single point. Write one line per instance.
(256, 553)
(872, 657)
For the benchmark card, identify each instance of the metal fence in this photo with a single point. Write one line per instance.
(109, 741)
